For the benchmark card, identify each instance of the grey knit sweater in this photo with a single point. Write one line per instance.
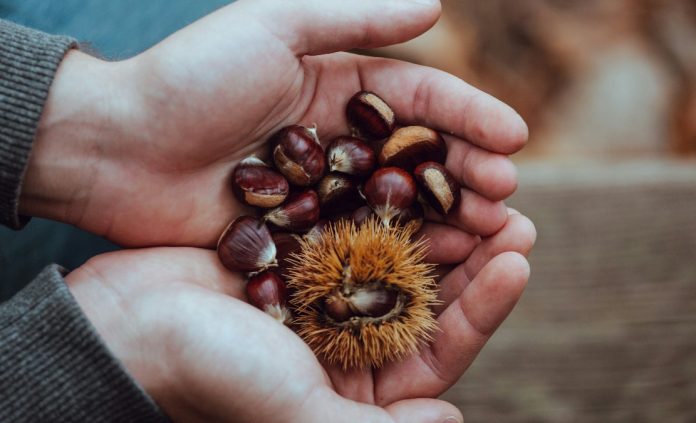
(53, 364)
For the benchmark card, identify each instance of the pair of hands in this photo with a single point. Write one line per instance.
(140, 152)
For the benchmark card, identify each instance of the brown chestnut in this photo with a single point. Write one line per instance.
(246, 246)
(314, 234)
(389, 191)
(414, 214)
(266, 291)
(254, 183)
(369, 116)
(411, 145)
(286, 244)
(361, 214)
(299, 213)
(372, 300)
(337, 192)
(351, 156)
(438, 186)
(298, 155)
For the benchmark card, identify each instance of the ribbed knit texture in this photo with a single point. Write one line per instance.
(54, 367)
(28, 62)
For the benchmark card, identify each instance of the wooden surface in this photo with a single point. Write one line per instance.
(606, 330)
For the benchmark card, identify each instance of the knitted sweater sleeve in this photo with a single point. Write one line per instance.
(53, 364)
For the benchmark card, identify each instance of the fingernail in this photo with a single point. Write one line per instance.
(452, 419)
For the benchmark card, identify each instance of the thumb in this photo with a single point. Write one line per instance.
(325, 26)
(326, 405)
(424, 410)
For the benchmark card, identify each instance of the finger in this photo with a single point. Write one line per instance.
(446, 244)
(317, 27)
(424, 410)
(323, 405)
(518, 235)
(492, 175)
(465, 327)
(425, 96)
(194, 265)
(475, 214)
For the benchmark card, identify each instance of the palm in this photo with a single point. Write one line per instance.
(229, 357)
(203, 109)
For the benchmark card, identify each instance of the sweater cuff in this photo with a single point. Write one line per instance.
(54, 366)
(28, 62)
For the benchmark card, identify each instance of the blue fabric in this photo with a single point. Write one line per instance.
(115, 30)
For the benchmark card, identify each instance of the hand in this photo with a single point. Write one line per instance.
(140, 151)
(178, 322)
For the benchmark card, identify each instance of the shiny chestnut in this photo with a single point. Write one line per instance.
(246, 246)
(411, 145)
(351, 156)
(267, 291)
(389, 191)
(299, 213)
(361, 214)
(438, 186)
(369, 116)
(254, 183)
(372, 300)
(412, 215)
(286, 244)
(337, 192)
(298, 155)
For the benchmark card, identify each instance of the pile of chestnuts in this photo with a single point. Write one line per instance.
(380, 171)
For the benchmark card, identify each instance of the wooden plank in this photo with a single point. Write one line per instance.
(606, 331)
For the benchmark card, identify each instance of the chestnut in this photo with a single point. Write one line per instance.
(299, 213)
(361, 214)
(438, 186)
(414, 214)
(337, 192)
(369, 116)
(286, 244)
(314, 234)
(389, 191)
(351, 156)
(246, 246)
(267, 291)
(411, 145)
(371, 300)
(254, 183)
(298, 155)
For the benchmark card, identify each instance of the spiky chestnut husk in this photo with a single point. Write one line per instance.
(345, 257)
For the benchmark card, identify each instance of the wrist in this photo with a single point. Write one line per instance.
(82, 114)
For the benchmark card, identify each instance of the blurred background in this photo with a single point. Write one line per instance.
(606, 331)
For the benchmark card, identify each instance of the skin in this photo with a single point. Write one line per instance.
(140, 152)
